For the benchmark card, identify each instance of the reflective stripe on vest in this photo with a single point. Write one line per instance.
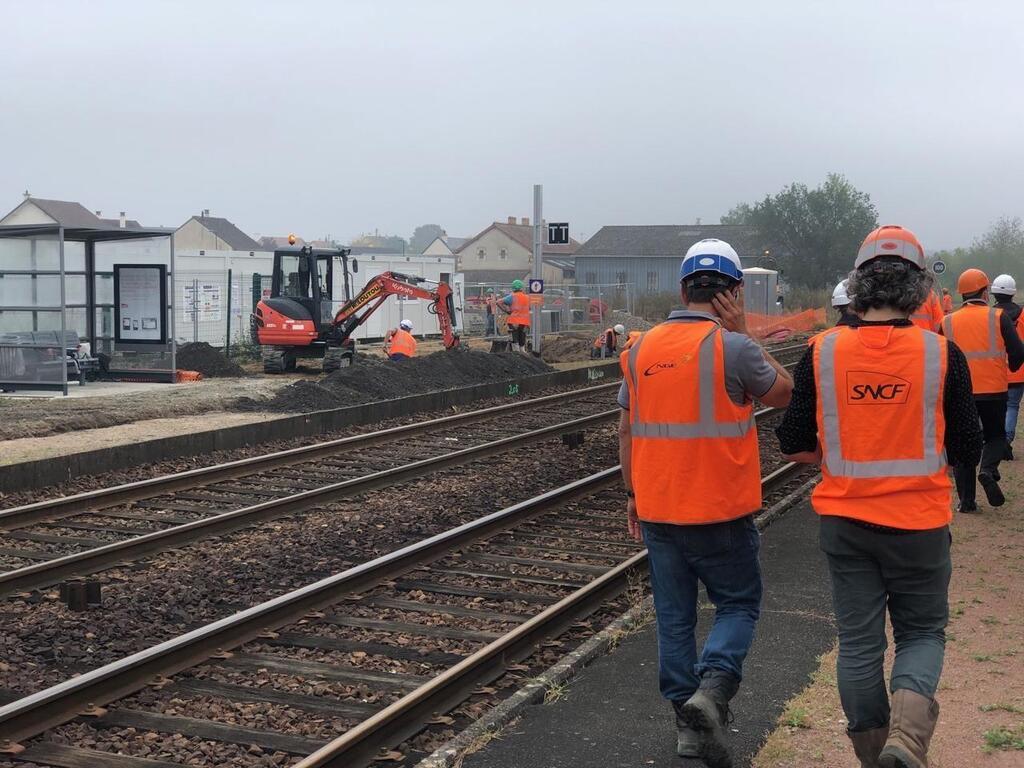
(932, 462)
(707, 426)
(992, 352)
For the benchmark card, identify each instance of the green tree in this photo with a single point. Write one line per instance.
(738, 214)
(814, 233)
(423, 236)
(1000, 250)
(393, 243)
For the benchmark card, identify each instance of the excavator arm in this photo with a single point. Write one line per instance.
(357, 311)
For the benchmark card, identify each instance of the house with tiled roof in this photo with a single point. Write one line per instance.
(66, 213)
(504, 251)
(212, 233)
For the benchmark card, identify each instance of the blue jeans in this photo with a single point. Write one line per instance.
(489, 327)
(723, 557)
(1013, 396)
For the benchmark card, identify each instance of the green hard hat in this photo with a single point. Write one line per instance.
(490, 290)
(517, 285)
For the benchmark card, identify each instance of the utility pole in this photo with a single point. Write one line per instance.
(538, 260)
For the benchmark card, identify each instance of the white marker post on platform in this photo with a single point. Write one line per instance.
(538, 261)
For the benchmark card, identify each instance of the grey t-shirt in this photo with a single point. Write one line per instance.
(747, 373)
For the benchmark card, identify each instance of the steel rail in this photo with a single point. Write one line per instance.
(37, 712)
(91, 560)
(52, 509)
(404, 718)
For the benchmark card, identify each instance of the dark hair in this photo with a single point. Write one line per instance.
(973, 294)
(888, 282)
(702, 287)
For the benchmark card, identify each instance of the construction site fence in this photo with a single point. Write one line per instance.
(564, 307)
(214, 307)
(781, 326)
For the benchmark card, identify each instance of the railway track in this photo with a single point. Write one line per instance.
(375, 653)
(82, 534)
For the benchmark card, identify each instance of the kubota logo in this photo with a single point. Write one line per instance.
(871, 388)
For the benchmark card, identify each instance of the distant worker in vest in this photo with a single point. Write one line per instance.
(880, 406)
(841, 303)
(929, 315)
(987, 337)
(517, 305)
(607, 341)
(400, 344)
(690, 465)
(491, 325)
(947, 301)
(1004, 288)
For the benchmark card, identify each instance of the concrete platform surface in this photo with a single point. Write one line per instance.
(95, 389)
(612, 716)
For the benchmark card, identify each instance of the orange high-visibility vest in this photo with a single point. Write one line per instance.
(694, 451)
(929, 315)
(881, 427)
(1017, 377)
(520, 314)
(947, 303)
(402, 343)
(631, 339)
(975, 328)
(602, 338)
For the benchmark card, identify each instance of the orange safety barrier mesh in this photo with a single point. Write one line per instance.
(188, 376)
(783, 326)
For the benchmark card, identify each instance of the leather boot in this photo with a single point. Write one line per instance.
(867, 745)
(688, 740)
(707, 712)
(911, 726)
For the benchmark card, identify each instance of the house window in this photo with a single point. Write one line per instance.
(652, 282)
(503, 254)
(620, 278)
(481, 253)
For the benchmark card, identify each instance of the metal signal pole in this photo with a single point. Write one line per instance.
(538, 260)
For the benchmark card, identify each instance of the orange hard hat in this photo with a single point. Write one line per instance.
(971, 281)
(890, 240)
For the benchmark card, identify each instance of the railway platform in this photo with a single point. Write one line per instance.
(612, 715)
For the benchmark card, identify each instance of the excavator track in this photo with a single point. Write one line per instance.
(279, 360)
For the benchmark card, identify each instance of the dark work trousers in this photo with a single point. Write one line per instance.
(993, 425)
(872, 569)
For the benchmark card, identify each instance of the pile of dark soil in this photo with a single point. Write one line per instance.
(567, 347)
(372, 379)
(200, 356)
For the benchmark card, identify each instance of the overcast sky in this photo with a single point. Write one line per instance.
(342, 117)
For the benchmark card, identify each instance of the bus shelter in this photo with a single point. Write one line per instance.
(82, 303)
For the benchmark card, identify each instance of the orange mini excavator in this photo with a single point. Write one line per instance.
(298, 319)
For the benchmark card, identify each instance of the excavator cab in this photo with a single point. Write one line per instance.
(295, 320)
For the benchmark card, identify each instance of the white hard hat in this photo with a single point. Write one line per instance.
(839, 296)
(619, 328)
(1004, 285)
(711, 255)
(406, 324)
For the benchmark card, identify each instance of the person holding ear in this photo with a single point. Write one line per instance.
(690, 465)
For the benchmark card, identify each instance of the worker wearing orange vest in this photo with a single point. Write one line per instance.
(517, 305)
(987, 337)
(400, 342)
(607, 341)
(631, 338)
(691, 471)
(1004, 288)
(929, 315)
(880, 406)
(947, 301)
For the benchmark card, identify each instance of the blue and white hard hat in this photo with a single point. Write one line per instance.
(712, 255)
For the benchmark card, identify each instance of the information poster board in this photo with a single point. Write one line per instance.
(140, 303)
(204, 298)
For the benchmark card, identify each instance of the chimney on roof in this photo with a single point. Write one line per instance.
(525, 221)
(122, 223)
(99, 214)
(511, 219)
(205, 213)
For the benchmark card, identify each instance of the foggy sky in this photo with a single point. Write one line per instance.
(342, 117)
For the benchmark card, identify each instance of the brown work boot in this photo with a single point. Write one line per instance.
(911, 726)
(867, 745)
